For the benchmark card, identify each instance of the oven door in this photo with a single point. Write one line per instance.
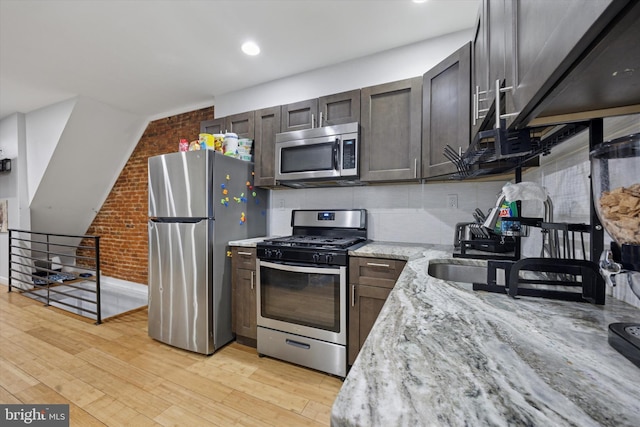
(304, 300)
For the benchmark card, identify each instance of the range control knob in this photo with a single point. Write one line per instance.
(328, 258)
(277, 254)
(267, 253)
(316, 257)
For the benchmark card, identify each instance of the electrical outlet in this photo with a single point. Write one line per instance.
(452, 201)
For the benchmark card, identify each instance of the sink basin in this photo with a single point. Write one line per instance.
(458, 272)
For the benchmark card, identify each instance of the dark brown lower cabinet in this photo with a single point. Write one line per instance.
(243, 297)
(370, 283)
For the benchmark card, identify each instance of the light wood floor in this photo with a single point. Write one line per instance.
(114, 374)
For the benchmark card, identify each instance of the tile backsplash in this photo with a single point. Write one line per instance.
(415, 213)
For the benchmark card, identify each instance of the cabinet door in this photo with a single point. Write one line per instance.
(213, 126)
(241, 124)
(391, 117)
(547, 37)
(371, 281)
(498, 25)
(299, 115)
(264, 146)
(339, 108)
(244, 310)
(446, 91)
(244, 304)
(375, 271)
(480, 73)
(365, 305)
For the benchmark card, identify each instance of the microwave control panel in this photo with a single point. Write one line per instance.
(349, 159)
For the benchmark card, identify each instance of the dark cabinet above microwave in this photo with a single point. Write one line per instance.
(330, 110)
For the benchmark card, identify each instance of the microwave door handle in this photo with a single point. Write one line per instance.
(336, 154)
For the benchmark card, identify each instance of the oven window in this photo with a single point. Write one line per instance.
(307, 299)
(303, 158)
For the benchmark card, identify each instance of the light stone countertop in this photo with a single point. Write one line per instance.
(441, 354)
(249, 243)
(394, 250)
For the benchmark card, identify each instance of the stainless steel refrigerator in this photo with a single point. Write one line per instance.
(198, 202)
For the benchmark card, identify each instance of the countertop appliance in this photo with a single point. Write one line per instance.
(324, 153)
(615, 175)
(302, 289)
(198, 202)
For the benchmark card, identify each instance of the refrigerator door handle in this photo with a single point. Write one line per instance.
(181, 220)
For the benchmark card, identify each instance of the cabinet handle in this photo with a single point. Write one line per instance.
(415, 167)
(244, 253)
(320, 124)
(474, 107)
(498, 109)
(253, 273)
(353, 295)
(375, 264)
(313, 120)
(500, 116)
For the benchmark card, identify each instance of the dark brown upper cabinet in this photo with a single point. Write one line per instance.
(267, 125)
(241, 124)
(339, 108)
(213, 126)
(327, 110)
(390, 141)
(532, 56)
(299, 115)
(445, 111)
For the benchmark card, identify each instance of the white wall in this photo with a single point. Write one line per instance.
(13, 185)
(396, 64)
(43, 129)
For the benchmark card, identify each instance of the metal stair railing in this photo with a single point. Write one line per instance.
(37, 269)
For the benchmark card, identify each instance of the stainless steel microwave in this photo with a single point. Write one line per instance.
(329, 152)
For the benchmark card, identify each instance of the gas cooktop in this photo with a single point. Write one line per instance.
(319, 237)
(307, 241)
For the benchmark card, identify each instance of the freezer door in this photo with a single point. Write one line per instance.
(180, 185)
(180, 303)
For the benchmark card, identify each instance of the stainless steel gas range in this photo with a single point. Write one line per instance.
(302, 289)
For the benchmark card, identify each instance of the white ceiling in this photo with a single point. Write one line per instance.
(151, 57)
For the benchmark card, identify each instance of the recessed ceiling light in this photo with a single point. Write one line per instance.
(250, 48)
(419, 1)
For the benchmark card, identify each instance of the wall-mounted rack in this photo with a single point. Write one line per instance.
(497, 151)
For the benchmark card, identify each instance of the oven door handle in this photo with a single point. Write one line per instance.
(336, 155)
(299, 269)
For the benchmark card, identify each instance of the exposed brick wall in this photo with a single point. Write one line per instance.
(122, 220)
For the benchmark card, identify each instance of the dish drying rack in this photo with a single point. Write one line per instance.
(494, 245)
(561, 272)
(500, 150)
